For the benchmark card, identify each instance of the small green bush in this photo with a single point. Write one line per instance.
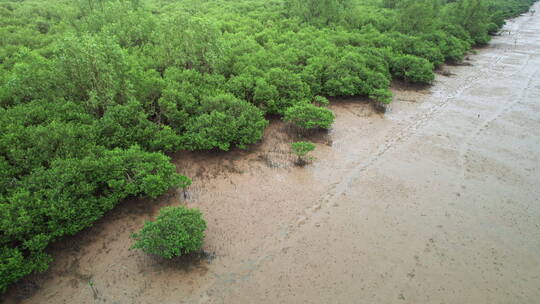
(308, 116)
(175, 232)
(301, 149)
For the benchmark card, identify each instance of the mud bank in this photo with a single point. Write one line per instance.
(437, 201)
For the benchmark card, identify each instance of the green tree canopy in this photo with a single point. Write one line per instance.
(175, 232)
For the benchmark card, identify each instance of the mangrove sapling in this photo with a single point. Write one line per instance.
(301, 149)
(95, 292)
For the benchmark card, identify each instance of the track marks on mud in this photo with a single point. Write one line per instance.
(359, 166)
(464, 149)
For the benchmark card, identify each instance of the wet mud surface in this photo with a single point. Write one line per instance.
(436, 201)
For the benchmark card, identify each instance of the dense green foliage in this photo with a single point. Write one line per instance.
(308, 116)
(176, 231)
(94, 92)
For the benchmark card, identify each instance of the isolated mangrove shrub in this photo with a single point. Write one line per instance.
(301, 150)
(413, 69)
(175, 232)
(308, 116)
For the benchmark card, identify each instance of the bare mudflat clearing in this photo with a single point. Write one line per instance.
(436, 201)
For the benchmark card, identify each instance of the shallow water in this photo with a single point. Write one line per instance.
(436, 201)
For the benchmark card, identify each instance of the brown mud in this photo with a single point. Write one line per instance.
(436, 201)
